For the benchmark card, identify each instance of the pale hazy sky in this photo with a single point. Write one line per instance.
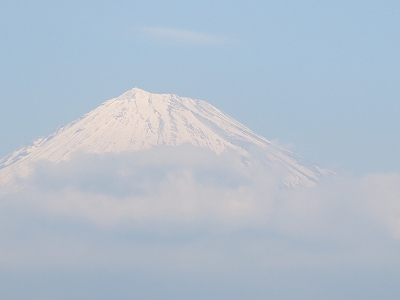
(321, 77)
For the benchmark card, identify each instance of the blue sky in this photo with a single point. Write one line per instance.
(320, 77)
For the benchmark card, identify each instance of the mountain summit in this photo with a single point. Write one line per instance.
(139, 120)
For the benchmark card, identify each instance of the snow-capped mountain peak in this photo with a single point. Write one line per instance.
(139, 120)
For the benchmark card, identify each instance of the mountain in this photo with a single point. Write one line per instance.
(139, 120)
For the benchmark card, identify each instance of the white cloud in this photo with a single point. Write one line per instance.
(188, 208)
(183, 36)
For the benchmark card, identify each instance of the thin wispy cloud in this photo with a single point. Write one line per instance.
(182, 36)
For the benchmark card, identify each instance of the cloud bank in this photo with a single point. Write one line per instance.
(187, 208)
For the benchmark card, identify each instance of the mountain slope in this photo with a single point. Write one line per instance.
(140, 120)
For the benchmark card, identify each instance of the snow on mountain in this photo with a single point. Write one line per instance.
(139, 120)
